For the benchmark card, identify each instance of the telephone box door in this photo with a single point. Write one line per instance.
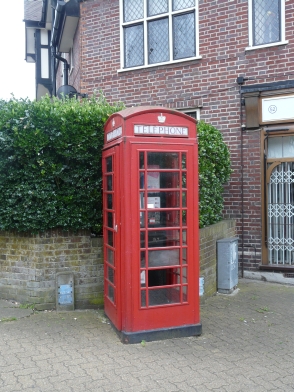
(165, 279)
(111, 234)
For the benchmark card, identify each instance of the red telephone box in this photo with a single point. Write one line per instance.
(150, 224)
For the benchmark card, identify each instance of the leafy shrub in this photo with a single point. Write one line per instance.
(50, 163)
(214, 172)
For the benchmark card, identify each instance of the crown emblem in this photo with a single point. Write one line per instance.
(113, 122)
(161, 118)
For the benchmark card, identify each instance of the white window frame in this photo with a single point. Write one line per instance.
(250, 28)
(145, 20)
(190, 111)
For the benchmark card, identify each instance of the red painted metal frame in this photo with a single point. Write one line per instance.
(127, 314)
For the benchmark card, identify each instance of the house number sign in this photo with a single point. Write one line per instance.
(277, 109)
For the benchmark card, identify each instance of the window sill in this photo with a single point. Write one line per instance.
(266, 45)
(158, 64)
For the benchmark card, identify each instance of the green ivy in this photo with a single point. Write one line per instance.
(50, 163)
(214, 172)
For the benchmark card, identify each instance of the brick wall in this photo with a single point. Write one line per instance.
(208, 263)
(208, 83)
(29, 264)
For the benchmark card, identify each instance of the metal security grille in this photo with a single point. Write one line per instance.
(266, 21)
(281, 215)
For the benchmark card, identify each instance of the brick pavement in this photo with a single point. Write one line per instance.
(247, 345)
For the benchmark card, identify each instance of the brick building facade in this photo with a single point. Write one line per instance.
(228, 62)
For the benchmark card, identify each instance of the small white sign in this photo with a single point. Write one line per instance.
(113, 134)
(158, 130)
(278, 108)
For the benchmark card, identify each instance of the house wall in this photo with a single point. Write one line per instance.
(208, 83)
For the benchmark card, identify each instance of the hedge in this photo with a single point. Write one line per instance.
(50, 165)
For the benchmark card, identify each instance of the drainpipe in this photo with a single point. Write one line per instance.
(57, 13)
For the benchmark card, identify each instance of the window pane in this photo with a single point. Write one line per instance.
(156, 7)
(110, 237)
(182, 4)
(184, 36)
(164, 160)
(164, 296)
(109, 164)
(109, 183)
(158, 45)
(134, 42)
(109, 201)
(110, 274)
(161, 258)
(266, 21)
(133, 10)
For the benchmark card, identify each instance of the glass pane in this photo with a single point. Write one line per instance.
(281, 147)
(184, 180)
(184, 275)
(134, 46)
(143, 259)
(161, 258)
(142, 181)
(109, 183)
(109, 201)
(184, 199)
(110, 238)
(184, 36)
(111, 293)
(163, 238)
(184, 237)
(184, 160)
(185, 293)
(158, 42)
(163, 200)
(164, 219)
(143, 298)
(184, 256)
(288, 146)
(110, 274)
(164, 277)
(163, 160)
(163, 180)
(109, 164)
(164, 296)
(142, 239)
(141, 160)
(110, 258)
(143, 278)
(109, 219)
(156, 7)
(184, 218)
(182, 4)
(266, 21)
(133, 10)
(142, 219)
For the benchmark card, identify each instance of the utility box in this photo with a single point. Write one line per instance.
(65, 291)
(150, 224)
(227, 264)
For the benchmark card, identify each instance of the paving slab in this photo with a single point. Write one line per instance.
(10, 310)
(247, 345)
